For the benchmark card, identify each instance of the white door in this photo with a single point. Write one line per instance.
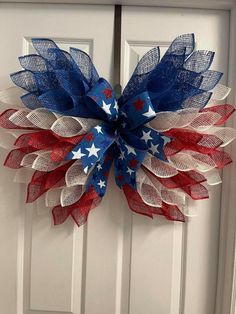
(119, 263)
(63, 269)
(173, 265)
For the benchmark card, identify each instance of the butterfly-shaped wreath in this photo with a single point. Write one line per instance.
(163, 134)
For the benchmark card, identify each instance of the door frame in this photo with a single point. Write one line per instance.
(226, 283)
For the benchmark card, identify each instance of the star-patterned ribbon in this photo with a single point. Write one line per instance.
(124, 130)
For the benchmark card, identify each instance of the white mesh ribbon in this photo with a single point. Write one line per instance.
(225, 134)
(65, 126)
(20, 118)
(70, 195)
(11, 96)
(199, 162)
(146, 189)
(167, 120)
(159, 168)
(71, 126)
(75, 175)
(167, 195)
(75, 180)
(183, 161)
(202, 162)
(64, 196)
(42, 118)
(40, 160)
(213, 177)
(220, 92)
(164, 121)
(153, 193)
(204, 121)
(173, 197)
(186, 116)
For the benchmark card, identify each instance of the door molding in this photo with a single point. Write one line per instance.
(226, 284)
(226, 288)
(210, 4)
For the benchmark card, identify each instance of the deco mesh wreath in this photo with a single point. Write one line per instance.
(163, 134)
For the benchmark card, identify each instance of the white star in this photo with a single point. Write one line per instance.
(123, 114)
(93, 151)
(122, 155)
(129, 171)
(166, 139)
(130, 149)
(106, 107)
(99, 167)
(153, 148)
(146, 136)
(78, 154)
(98, 128)
(150, 113)
(86, 169)
(101, 184)
(116, 106)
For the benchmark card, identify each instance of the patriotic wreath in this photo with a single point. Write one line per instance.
(163, 134)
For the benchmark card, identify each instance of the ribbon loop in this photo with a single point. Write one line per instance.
(103, 97)
(93, 146)
(154, 141)
(137, 111)
(128, 160)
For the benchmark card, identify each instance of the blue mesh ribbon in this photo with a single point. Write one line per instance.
(68, 83)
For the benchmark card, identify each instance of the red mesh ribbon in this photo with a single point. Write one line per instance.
(188, 181)
(225, 111)
(196, 191)
(63, 146)
(137, 205)
(220, 158)
(79, 211)
(41, 181)
(7, 124)
(190, 140)
(45, 139)
(41, 140)
(14, 158)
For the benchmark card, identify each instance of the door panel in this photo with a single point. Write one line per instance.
(119, 262)
(60, 269)
(173, 265)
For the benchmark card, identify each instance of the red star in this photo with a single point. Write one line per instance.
(89, 137)
(120, 177)
(133, 163)
(107, 92)
(138, 104)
